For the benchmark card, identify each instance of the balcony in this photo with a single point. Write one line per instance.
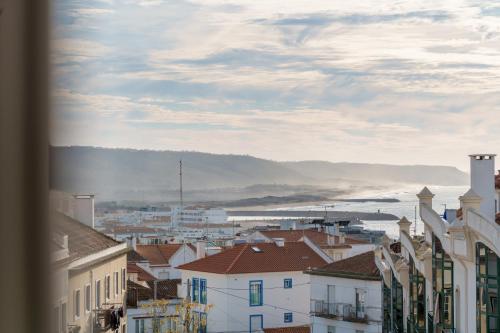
(338, 311)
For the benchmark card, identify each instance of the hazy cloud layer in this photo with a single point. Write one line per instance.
(372, 81)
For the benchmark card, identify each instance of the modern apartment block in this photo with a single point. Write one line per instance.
(447, 280)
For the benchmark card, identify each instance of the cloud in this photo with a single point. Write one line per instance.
(239, 76)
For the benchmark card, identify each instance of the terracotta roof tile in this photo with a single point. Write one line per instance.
(319, 238)
(142, 275)
(242, 258)
(360, 266)
(291, 329)
(158, 254)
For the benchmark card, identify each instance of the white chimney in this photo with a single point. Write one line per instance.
(279, 242)
(83, 209)
(482, 173)
(200, 249)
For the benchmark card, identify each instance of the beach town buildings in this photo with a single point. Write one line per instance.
(447, 280)
(346, 296)
(337, 246)
(253, 286)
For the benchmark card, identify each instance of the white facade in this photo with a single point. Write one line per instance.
(142, 317)
(229, 297)
(340, 296)
(460, 240)
(184, 255)
(210, 216)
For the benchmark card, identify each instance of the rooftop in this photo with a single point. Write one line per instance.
(142, 275)
(82, 239)
(259, 258)
(158, 254)
(318, 237)
(361, 266)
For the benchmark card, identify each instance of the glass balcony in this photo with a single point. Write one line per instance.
(338, 311)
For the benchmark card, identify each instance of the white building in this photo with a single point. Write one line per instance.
(198, 215)
(253, 286)
(447, 280)
(162, 260)
(338, 247)
(346, 296)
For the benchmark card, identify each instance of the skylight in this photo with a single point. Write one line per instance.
(256, 249)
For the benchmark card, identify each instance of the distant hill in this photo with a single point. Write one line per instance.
(379, 173)
(126, 174)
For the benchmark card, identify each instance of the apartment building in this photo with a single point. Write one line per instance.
(251, 287)
(447, 280)
(90, 273)
(346, 296)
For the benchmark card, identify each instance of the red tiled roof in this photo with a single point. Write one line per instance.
(497, 181)
(319, 238)
(142, 275)
(242, 258)
(361, 266)
(158, 254)
(291, 329)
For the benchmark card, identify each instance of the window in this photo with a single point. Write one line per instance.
(124, 279)
(256, 323)
(115, 281)
(87, 298)
(287, 283)
(288, 317)
(139, 326)
(487, 290)
(63, 317)
(196, 290)
(98, 294)
(203, 291)
(107, 287)
(331, 329)
(442, 283)
(256, 297)
(77, 303)
(360, 303)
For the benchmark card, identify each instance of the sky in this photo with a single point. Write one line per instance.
(400, 82)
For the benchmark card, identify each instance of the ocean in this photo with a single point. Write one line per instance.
(446, 196)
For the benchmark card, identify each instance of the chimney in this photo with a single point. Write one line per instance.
(404, 225)
(425, 197)
(279, 242)
(83, 209)
(482, 173)
(200, 249)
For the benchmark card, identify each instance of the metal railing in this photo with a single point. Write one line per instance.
(338, 311)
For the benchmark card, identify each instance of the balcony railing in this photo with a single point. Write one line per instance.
(338, 311)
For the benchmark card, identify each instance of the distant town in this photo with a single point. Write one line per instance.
(186, 267)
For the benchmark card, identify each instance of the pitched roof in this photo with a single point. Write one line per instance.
(243, 258)
(158, 254)
(319, 238)
(142, 275)
(133, 256)
(291, 329)
(82, 239)
(361, 266)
